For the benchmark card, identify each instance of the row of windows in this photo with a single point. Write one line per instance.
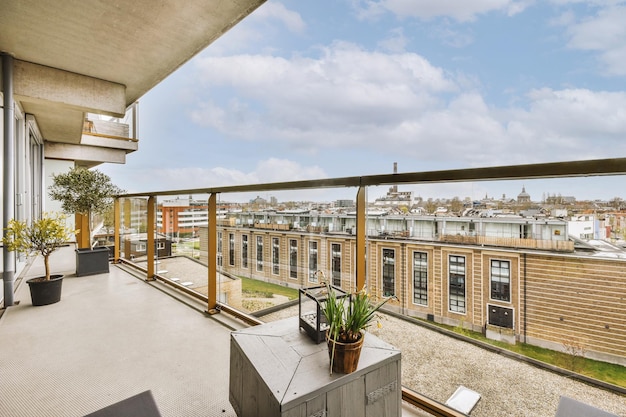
(500, 271)
(500, 279)
(141, 247)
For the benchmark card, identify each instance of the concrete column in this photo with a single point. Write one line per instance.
(8, 174)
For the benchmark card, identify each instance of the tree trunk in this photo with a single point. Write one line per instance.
(46, 264)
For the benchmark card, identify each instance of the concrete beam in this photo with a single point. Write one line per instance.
(56, 123)
(72, 152)
(38, 83)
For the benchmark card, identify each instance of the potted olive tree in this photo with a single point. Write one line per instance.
(86, 192)
(42, 236)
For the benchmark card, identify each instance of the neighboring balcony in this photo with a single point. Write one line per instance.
(103, 140)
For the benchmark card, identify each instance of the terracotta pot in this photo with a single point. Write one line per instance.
(346, 356)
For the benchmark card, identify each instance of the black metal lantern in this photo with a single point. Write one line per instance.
(311, 316)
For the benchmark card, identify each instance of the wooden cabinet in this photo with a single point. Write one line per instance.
(276, 370)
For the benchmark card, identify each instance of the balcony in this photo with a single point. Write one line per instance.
(103, 139)
(144, 327)
(111, 337)
(110, 133)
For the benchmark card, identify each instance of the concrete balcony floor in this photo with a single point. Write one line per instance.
(111, 336)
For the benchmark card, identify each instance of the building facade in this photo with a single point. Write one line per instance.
(181, 218)
(546, 297)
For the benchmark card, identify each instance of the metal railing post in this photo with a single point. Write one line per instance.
(151, 233)
(212, 255)
(116, 230)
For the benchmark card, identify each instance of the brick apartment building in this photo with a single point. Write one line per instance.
(534, 289)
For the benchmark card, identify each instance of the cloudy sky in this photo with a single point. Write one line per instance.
(333, 88)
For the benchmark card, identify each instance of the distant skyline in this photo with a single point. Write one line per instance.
(309, 90)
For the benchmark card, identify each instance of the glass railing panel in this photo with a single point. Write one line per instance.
(271, 245)
(178, 219)
(133, 230)
(111, 126)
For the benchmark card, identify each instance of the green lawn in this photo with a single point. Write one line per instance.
(265, 289)
(187, 245)
(603, 371)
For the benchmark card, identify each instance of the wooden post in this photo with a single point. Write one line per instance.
(360, 238)
(82, 237)
(150, 231)
(212, 254)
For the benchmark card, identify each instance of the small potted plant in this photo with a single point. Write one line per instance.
(347, 318)
(86, 192)
(42, 236)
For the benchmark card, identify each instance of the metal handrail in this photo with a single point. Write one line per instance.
(429, 405)
(596, 167)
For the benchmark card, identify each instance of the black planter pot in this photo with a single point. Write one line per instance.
(44, 292)
(92, 261)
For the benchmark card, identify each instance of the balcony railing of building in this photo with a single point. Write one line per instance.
(113, 127)
(114, 133)
(140, 242)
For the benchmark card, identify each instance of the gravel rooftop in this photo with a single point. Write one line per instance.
(435, 365)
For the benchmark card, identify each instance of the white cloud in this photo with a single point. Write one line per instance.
(281, 170)
(570, 124)
(346, 89)
(271, 170)
(273, 11)
(460, 10)
(396, 42)
(604, 33)
(400, 104)
(270, 21)
(453, 37)
(588, 2)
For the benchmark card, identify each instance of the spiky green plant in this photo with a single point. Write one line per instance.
(348, 317)
(42, 236)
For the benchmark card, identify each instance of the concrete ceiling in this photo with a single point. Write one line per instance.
(102, 56)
